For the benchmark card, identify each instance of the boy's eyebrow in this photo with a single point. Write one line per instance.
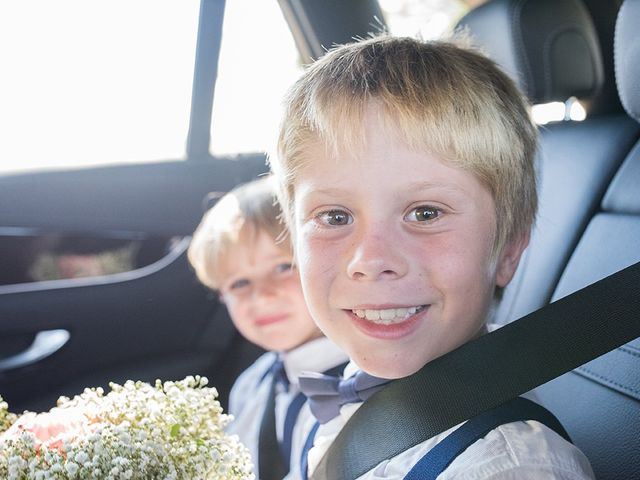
(326, 191)
(427, 185)
(422, 185)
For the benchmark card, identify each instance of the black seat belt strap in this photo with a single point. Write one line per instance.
(487, 372)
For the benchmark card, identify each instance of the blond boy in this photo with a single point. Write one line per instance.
(406, 171)
(239, 250)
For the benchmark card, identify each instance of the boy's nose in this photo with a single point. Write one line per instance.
(264, 288)
(374, 257)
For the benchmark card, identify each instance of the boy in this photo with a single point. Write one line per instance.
(238, 251)
(406, 173)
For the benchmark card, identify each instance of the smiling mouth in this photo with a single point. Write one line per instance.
(388, 316)
(270, 319)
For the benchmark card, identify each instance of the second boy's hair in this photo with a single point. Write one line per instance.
(239, 216)
(439, 97)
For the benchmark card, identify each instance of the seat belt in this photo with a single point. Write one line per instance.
(487, 372)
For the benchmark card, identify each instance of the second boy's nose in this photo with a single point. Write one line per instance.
(264, 288)
(374, 257)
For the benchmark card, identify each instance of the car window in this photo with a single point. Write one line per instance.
(253, 75)
(258, 61)
(77, 48)
(31, 255)
(423, 19)
(81, 86)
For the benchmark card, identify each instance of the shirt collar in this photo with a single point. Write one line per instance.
(351, 369)
(317, 355)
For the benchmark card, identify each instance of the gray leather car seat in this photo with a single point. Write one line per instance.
(599, 403)
(589, 219)
(549, 48)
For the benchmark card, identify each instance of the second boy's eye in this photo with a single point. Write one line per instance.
(284, 267)
(335, 217)
(423, 214)
(238, 284)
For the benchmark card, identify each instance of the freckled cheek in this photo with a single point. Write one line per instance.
(314, 255)
(463, 268)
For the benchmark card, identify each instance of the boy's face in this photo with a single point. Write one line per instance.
(264, 297)
(394, 251)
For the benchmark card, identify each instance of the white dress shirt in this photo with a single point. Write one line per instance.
(249, 394)
(519, 450)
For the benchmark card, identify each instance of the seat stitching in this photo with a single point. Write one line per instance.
(608, 380)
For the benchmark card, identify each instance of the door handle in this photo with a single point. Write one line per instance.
(44, 344)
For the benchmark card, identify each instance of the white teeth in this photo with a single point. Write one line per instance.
(389, 315)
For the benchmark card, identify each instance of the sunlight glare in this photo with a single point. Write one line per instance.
(84, 84)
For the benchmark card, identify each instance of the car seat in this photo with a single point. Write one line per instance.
(551, 49)
(589, 219)
(599, 403)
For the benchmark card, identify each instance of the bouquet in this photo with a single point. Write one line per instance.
(170, 431)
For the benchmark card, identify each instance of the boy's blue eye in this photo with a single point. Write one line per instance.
(240, 283)
(335, 217)
(284, 267)
(423, 214)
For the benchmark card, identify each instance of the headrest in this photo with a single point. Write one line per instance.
(603, 13)
(627, 57)
(622, 195)
(549, 47)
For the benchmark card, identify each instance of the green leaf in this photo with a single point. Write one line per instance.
(175, 430)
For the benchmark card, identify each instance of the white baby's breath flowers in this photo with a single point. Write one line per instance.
(6, 418)
(172, 430)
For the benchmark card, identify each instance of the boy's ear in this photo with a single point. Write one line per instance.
(509, 259)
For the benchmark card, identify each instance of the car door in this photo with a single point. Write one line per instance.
(94, 282)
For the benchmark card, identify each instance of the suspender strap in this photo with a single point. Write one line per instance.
(436, 460)
(335, 371)
(293, 411)
(487, 372)
(304, 458)
(289, 422)
(271, 465)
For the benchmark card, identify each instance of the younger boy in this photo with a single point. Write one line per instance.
(406, 171)
(239, 250)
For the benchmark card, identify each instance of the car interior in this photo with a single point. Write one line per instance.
(154, 320)
(587, 226)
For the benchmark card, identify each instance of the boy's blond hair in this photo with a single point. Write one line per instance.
(438, 96)
(238, 217)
